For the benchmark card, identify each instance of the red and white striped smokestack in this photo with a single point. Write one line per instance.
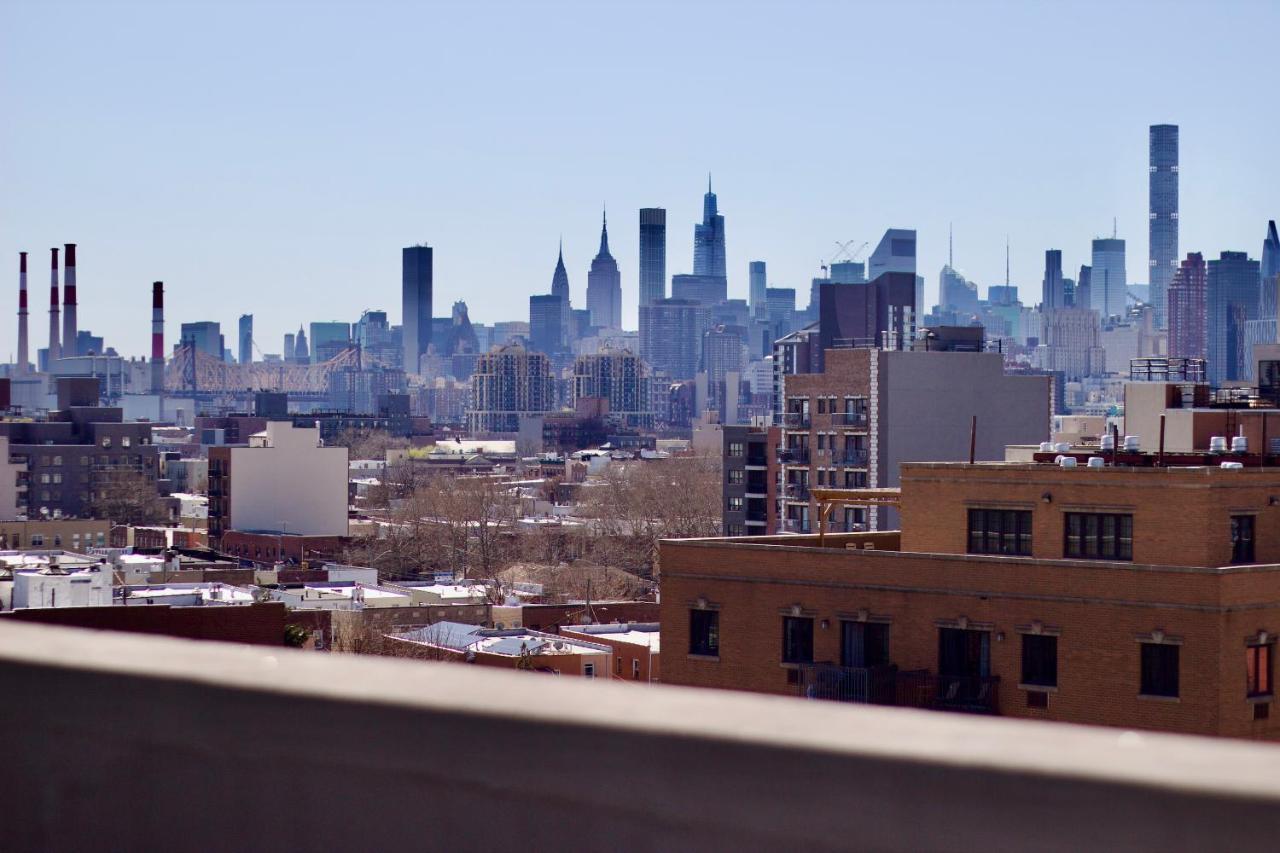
(157, 337)
(69, 301)
(55, 351)
(23, 363)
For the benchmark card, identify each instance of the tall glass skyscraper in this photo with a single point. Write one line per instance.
(653, 255)
(1232, 301)
(758, 285)
(415, 278)
(708, 238)
(1163, 198)
(246, 338)
(1053, 294)
(1108, 286)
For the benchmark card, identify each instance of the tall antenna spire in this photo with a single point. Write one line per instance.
(708, 182)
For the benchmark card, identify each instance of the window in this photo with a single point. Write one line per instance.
(1159, 669)
(57, 460)
(736, 448)
(797, 639)
(1258, 666)
(635, 669)
(704, 632)
(1242, 538)
(1040, 660)
(1000, 531)
(822, 406)
(1099, 536)
(864, 644)
(617, 666)
(125, 441)
(588, 670)
(106, 441)
(736, 505)
(736, 476)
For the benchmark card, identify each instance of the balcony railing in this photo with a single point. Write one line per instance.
(887, 685)
(796, 492)
(793, 455)
(794, 420)
(849, 419)
(852, 459)
(795, 525)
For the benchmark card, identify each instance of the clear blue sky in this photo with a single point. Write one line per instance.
(273, 157)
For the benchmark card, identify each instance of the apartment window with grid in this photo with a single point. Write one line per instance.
(1257, 659)
(1099, 536)
(1040, 660)
(1242, 539)
(736, 505)
(736, 476)
(737, 448)
(1159, 669)
(797, 639)
(1000, 531)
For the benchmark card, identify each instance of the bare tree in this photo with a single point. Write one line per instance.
(125, 496)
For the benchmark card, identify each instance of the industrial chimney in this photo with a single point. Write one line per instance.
(157, 337)
(23, 363)
(55, 351)
(69, 302)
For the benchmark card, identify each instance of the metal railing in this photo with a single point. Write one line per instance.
(853, 458)
(795, 525)
(794, 420)
(793, 455)
(887, 685)
(849, 419)
(796, 491)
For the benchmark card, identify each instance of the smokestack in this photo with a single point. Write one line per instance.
(69, 302)
(22, 314)
(55, 351)
(157, 337)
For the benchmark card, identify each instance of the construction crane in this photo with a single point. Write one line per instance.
(843, 252)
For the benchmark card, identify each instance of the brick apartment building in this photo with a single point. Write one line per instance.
(869, 410)
(1128, 595)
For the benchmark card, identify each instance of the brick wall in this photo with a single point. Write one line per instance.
(255, 624)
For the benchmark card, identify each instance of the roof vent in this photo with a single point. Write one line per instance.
(1097, 462)
(1067, 461)
(1232, 466)
(1132, 444)
(1218, 444)
(1046, 447)
(1239, 444)
(1108, 442)
(1062, 447)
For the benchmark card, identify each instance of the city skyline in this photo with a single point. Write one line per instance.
(252, 218)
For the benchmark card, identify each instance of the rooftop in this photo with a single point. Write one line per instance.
(510, 642)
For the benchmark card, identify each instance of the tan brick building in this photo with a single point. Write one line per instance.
(1146, 597)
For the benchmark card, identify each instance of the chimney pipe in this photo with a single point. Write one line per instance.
(23, 363)
(69, 302)
(55, 351)
(157, 337)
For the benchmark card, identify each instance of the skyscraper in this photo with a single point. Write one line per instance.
(1083, 296)
(896, 252)
(508, 382)
(671, 336)
(604, 285)
(1163, 206)
(415, 267)
(620, 377)
(1187, 309)
(708, 238)
(1269, 303)
(301, 352)
(653, 255)
(759, 284)
(1107, 283)
(246, 338)
(550, 316)
(1054, 293)
(1232, 287)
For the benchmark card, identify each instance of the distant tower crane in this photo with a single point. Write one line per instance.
(843, 252)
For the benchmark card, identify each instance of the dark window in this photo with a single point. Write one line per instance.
(864, 644)
(1099, 536)
(1039, 660)
(797, 639)
(1242, 538)
(704, 632)
(1000, 531)
(1258, 665)
(1159, 669)
(963, 653)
